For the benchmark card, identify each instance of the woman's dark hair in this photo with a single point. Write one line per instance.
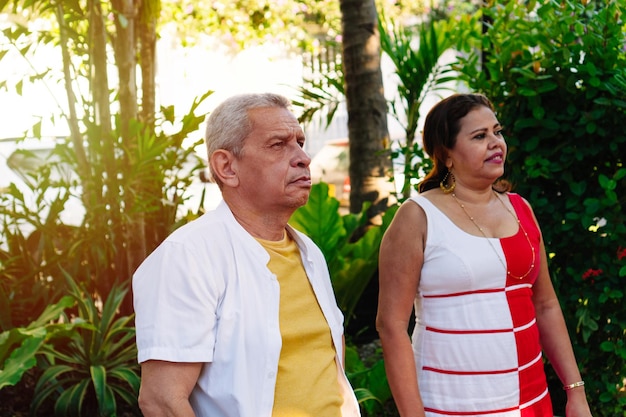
(441, 127)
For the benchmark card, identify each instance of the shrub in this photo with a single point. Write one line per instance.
(352, 262)
(559, 90)
(20, 345)
(92, 367)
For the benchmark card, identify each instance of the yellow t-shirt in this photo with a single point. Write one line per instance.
(306, 383)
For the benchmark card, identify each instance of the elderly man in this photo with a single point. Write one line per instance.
(235, 313)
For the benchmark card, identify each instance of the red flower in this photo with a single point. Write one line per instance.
(591, 273)
(621, 253)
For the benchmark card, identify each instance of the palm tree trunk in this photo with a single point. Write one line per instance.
(130, 241)
(367, 108)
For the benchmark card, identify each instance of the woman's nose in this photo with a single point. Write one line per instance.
(495, 138)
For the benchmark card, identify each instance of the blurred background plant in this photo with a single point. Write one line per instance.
(20, 345)
(416, 53)
(92, 367)
(366, 372)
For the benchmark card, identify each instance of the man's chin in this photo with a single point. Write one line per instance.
(300, 200)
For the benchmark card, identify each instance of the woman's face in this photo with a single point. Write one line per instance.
(480, 150)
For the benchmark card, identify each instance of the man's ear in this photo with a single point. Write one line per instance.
(224, 165)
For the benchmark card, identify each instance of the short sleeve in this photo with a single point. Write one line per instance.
(175, 301)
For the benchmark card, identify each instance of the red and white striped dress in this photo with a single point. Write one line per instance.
(476, 341)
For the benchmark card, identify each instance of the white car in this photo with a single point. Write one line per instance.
(331, 165)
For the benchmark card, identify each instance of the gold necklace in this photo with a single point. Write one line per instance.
(532, 248)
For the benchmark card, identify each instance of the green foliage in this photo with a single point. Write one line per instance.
(92, 366)
(321, 99)
(35, 238)
(129, 172)
(419, 73)
(19, 346)
(415, 52)
(560, 91)
(37, 243)
(245, 23)
(127, 163)
(352, 264)
(369, 381)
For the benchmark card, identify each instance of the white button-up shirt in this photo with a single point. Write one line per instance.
(206, 295)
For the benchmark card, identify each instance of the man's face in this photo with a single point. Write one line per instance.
(273, 169)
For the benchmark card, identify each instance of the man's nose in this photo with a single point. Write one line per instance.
(302, 158)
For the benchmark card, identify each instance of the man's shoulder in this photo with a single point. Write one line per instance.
(199, 228)
(215, 231)
(211, 231)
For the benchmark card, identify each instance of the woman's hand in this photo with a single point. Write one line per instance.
(577, 405)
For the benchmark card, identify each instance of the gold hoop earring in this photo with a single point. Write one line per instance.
(448, 188)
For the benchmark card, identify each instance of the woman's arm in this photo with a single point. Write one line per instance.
(555, 339)
(400, 263)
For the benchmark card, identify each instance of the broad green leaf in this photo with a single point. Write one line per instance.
(51, 382)
(52, 312)
(578, 188)
(21, 360)
(377, 382)
(99, 381)
(353, 362)
(320, 219)
(70, 402)
(363, 394)
(127, 375)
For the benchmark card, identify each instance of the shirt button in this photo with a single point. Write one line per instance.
(271, 375)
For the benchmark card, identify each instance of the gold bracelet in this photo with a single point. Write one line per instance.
(573, 385)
